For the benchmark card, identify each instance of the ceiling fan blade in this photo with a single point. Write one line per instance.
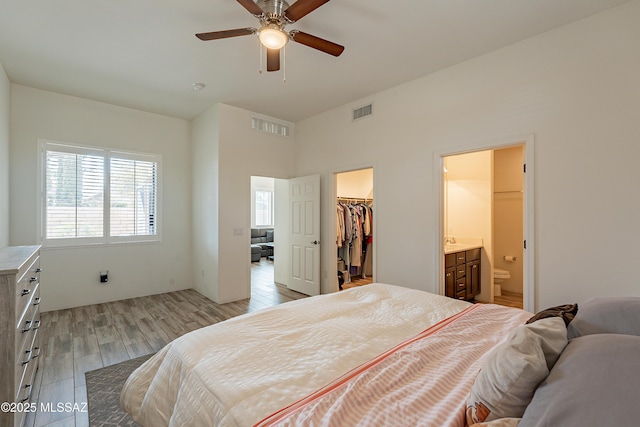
(302, 8)
(317, 43)
(215, 35)
(273, 59)
(251, 6)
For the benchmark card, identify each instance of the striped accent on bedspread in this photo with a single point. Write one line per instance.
(420, 382)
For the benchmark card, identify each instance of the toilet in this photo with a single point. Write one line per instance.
(499, 276)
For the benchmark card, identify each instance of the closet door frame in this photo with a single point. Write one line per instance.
(333, 255)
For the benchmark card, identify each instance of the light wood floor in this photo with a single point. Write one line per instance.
(509, 299)
(86, 338)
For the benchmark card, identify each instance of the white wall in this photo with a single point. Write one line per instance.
(508, 215)
(241, 153)
(204, 190)
(575, 88)
(356, 184)
(469, 211)
(282, 264)
(71, 276)
(5, 109)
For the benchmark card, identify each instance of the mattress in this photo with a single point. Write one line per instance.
(240, 371)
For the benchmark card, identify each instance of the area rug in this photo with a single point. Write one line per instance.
(103, 392)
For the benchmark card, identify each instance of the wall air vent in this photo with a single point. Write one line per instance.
(269, 126)
(362, 112)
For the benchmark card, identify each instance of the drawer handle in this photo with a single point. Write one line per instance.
(461, 285)
(33, 279)
(31, 356)
(36, 301)
(27, 323)
(25, 292)
(28, 358)
(31, 325)
(28, 396)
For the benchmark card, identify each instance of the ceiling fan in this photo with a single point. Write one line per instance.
(274, 15)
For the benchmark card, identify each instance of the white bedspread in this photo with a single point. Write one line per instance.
(237, 372)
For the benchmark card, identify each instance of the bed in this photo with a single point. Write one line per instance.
(311, 361)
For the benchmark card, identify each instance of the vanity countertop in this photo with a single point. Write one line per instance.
(459, 247)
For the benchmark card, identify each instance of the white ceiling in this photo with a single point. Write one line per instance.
(143, 53)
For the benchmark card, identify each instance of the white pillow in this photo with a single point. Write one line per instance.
(506, 383)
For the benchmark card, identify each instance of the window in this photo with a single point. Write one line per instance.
(98, 196)
(264, 208)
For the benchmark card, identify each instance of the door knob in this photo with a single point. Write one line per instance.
(316, 242)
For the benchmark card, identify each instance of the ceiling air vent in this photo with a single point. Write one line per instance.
(362, 112)
(268, 126)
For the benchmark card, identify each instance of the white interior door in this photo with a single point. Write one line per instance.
(304, 239)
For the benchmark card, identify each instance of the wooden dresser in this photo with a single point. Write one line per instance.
(19, 338)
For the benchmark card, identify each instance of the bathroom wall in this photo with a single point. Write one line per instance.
(508, 214)
(468, 188)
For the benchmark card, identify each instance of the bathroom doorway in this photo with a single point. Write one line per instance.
(486, 196)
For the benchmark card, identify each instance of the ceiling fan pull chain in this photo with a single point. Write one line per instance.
(284, 64)
(260, 54)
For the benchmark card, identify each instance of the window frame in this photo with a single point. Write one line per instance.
(107, 154)
(271, 206)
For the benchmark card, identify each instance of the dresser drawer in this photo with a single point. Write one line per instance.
(28, 353)
(23, 393)
(26, 286)
(31, 305)
(28, 325)
(449, 260)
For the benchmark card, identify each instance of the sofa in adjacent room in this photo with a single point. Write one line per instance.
(259, 238)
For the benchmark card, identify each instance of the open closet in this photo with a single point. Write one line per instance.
(354, 228)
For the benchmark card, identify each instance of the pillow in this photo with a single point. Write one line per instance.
(607, 315)
(506, 383)
(567, 312)
(269, 235)
(594, 383)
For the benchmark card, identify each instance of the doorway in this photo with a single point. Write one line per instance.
(354, 228)
(486, 194)
(263, 197)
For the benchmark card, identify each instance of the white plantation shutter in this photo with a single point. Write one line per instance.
(74, 195)
(133, 197)
(97, 196)
(264, 208)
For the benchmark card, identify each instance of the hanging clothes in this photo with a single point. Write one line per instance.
(354, 238)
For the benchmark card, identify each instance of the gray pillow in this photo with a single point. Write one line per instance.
(593, 383)
(606, 315)
(509, 377)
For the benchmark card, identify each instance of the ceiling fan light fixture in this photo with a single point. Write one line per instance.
(273, 37)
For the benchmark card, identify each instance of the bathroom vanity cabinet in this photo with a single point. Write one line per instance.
(462, 274)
